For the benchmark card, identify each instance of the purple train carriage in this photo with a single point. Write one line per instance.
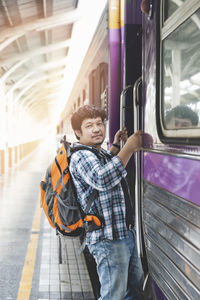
(161, 97)
(145, 71)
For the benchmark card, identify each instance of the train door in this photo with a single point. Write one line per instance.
(130, 110)
(169, 205)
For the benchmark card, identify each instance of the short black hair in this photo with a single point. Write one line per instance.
(86, 112)
(182, 112)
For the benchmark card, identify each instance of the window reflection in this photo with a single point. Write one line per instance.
(170, 6)
(181, 72)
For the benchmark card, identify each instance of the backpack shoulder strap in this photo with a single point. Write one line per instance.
(77, 148)
(91, 199)
(94, 193)
(48, 175)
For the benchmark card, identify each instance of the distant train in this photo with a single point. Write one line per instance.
(144, 69)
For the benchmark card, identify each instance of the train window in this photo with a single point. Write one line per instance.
(180, 82)
(170, 6)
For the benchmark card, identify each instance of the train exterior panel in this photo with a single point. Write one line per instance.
(170, 178)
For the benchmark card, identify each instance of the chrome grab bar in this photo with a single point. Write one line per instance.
(137, 170)
(122, 107)
(137, 157)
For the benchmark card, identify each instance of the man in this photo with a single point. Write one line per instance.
(113, 245)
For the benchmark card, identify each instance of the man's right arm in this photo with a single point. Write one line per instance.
(102, 177)
(133, 144)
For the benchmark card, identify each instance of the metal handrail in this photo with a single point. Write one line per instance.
(137, 170)
(122, 106)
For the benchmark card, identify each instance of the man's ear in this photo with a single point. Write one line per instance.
(78, 133)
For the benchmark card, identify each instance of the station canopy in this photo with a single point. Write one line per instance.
(38, 39)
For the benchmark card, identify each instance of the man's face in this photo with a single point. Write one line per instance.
(92, 132)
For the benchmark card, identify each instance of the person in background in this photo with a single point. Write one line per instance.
(113, 246)
(181, 116)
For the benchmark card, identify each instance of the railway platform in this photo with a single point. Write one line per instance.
(35, 263)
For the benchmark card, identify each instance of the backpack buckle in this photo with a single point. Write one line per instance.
(90, 226)
(66, 170)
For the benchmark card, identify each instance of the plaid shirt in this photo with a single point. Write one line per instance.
(88, 173)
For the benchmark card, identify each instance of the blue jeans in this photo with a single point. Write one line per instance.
(119, 268)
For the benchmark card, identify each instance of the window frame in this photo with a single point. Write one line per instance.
(184, 12)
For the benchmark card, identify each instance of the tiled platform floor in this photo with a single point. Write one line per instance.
(31, 266)
(63, 270)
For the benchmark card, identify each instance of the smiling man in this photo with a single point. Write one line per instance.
(113, 246)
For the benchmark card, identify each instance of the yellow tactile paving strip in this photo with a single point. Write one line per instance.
(29, 264)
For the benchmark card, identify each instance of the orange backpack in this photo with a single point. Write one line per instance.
(59, 198)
